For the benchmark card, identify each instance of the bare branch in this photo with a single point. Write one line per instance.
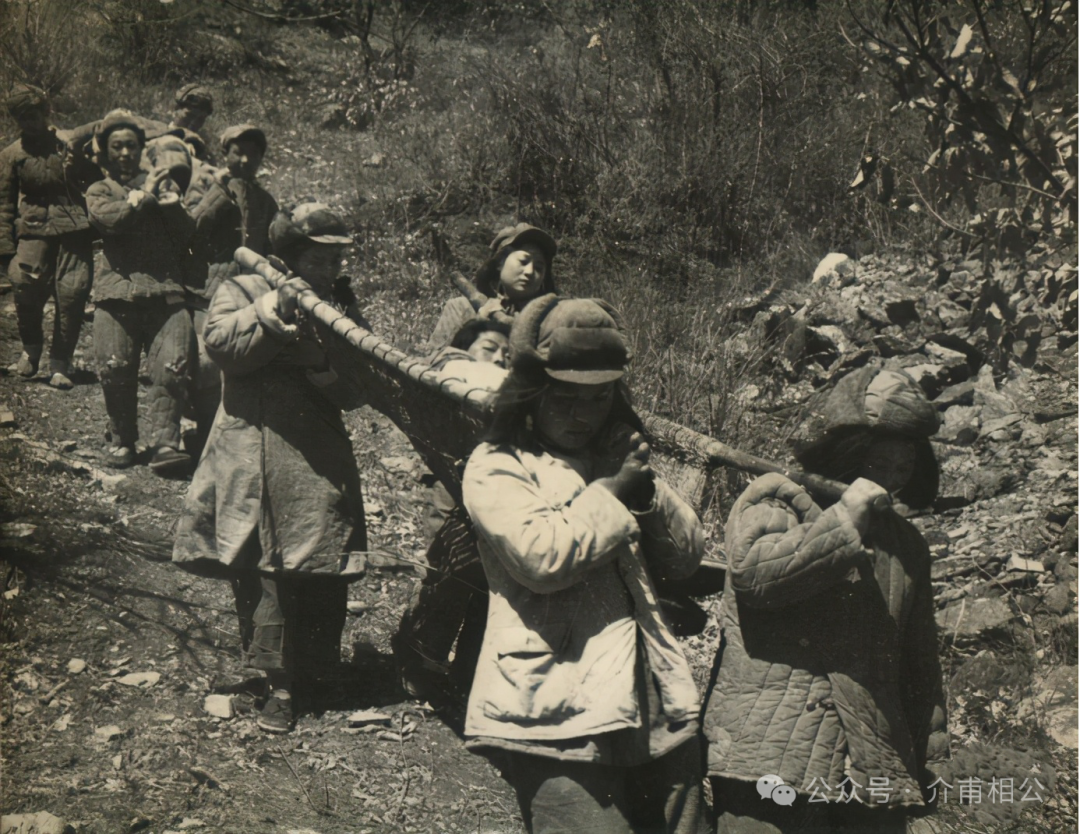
(991, 53)
(279, 18)
(938, 217)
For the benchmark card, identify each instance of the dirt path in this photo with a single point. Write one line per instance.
(125, 744)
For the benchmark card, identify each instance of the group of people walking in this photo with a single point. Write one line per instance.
(168, 222)
(548, 560)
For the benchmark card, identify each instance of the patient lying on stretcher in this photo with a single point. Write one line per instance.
(476, 355)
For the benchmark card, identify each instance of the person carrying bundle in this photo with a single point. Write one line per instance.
(828, 679)
(139, 295)
(582, 695)
(194, 105)
(275, 504)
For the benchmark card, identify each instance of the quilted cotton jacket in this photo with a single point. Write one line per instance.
(145, 246)
(227, 216)
(278, 463)
(456, 313)
(40, 194)
(570, 596)
(829, 664)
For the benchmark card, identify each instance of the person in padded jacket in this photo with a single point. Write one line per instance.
(581, 692)
(45, 237)
(139, 293)
(275, 504)
(230, 209)
(518, 270)
(828, 674)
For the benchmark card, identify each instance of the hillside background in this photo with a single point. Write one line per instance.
(687, 155)
(696, 162)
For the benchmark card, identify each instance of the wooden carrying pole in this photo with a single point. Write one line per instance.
(693, 447)
(674, 440)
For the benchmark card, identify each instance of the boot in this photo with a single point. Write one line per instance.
(278, 714)
(120, 457)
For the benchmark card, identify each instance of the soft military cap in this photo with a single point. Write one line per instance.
(308, 223)
(25, 99)
(195, 95)
(883, 401)
(244, 131)
(117, 120)
(521, 234)
(572, 339)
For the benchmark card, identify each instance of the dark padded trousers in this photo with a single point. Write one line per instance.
(291, 623)
(451, 600)
(123, 331)
(58, 268)
(559, 797)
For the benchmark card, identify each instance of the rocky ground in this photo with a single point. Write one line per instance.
(116, 713)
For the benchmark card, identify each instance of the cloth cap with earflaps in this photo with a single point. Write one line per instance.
(197, 143)
(195, 95)
(570, 339)
(245, 131)
(307, 223)
(116, 120)
(171, 152)
(883, 401)
(524, 233)
(25, 99)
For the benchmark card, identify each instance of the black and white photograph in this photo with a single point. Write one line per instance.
(539, 416)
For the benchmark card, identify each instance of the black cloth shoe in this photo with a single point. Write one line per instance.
(277, 714)
(168, 461)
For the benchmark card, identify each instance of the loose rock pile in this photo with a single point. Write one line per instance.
(996, 352)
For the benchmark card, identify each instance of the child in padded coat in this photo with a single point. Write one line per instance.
(275, 504)
(828, 675)
(581, 691)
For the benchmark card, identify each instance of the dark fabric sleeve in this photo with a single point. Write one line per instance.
(9, 199)
(782, 549)
(202, 179)
(179, 226)
(455, 313)
(920, 674)
(217, 226)
(336, 389)
(108, 209)
(80, 169)
(672, 537)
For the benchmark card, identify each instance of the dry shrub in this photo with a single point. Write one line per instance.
(702, 127)
(41, 43)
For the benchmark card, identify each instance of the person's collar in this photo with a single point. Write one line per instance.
(134, 182)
